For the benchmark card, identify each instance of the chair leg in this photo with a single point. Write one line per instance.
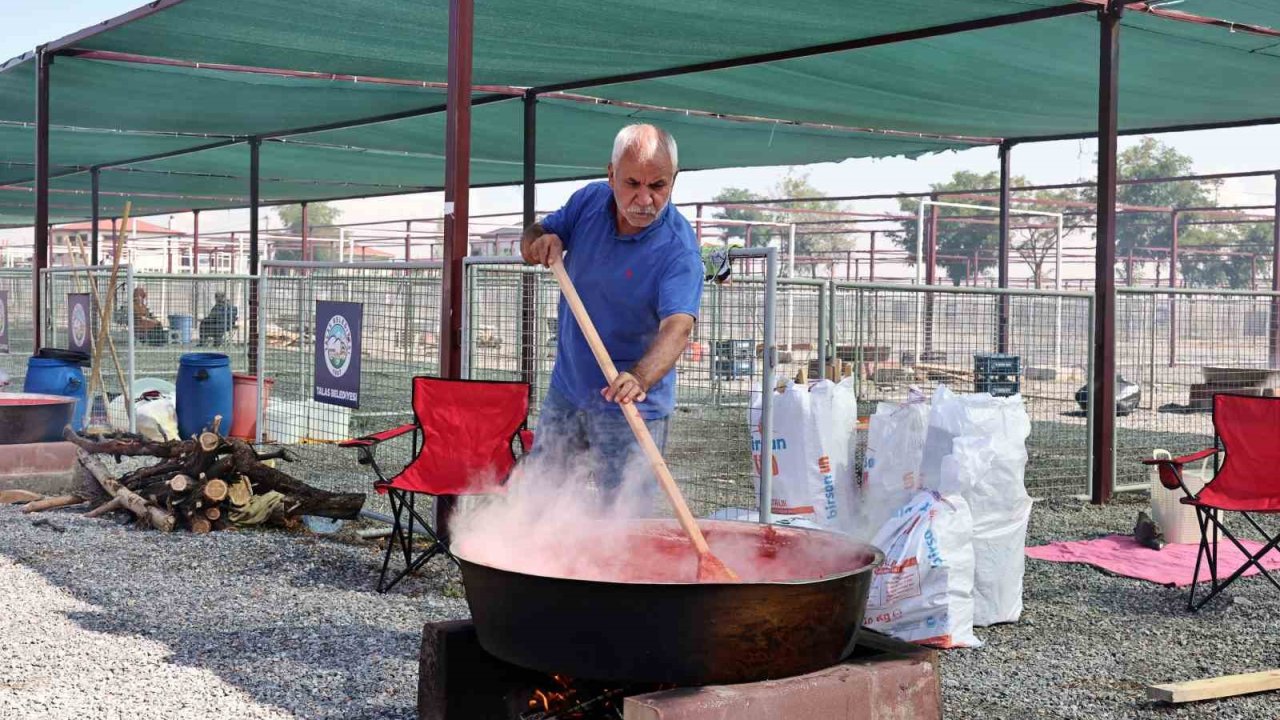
(1201, 555)
(406, 521)
(1249, 559)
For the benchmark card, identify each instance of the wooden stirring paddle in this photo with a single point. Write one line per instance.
(710, 567)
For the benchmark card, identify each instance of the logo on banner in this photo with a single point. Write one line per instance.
(79, 325)
(337, 346)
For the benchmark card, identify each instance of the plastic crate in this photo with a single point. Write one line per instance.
(733, 369)
(996, 364)
(997, 388)
(736, 349)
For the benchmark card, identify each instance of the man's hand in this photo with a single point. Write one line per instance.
(543, 250)
(626, 388)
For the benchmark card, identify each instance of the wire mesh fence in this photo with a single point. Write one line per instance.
(510, 333)
(892, 337)
(1176, 349)
(400, 319)
(20, 325)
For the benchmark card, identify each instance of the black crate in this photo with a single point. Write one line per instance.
(734, 369)
(998, 388)
(996, 364)
(736, 349)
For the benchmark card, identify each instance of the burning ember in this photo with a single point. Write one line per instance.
(569, 699)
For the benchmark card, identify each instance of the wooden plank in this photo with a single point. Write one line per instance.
(1218, 687)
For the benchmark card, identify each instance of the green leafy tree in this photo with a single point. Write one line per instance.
(825, 232)
(318, 214)
(1225, 256)
(736, 234)
(958, 241)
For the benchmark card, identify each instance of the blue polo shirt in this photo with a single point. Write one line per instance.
(629, 284)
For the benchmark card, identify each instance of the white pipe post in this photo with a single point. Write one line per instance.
(1057, 285)
(919, 271)
(791, 274)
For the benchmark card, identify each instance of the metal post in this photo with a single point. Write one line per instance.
(823, 289)
(1173, 283)
(260, 340)
(919, 339)
(40, 256)
(305, 250)
(871, 259)
(769, 360)
(130, 406)
(255, 147)
(408, 240)
(195, 244)
(529, 281)
(1102, 392)
(1057, 286)
(95, 219)
(457, 184)
(1274, 345)
(697, 227)
(1002, 251)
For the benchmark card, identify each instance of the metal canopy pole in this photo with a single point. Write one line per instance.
(255, 150)
(1102, 391)
(1274, 345)
(40, 258)
(1173, 283)
(195, 242)
(1002, 253)
(306, 246)
(528, 281)
(93, 221)
(457, 185)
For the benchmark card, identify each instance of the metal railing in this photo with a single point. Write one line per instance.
(16, 283)
(880, 344)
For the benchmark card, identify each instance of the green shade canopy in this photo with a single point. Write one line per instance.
(359, 111)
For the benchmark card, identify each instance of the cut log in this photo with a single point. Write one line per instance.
(127, 445)
(10, 497)
(50, 503)
(200, 525)
(212, 513)
(215, 490)
(113, 504)
(239, 493)
(179, 483)
(1218, 687)
(302, 499)
(209, 441)
(159, 519)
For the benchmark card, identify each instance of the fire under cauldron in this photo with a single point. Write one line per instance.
(644, 618)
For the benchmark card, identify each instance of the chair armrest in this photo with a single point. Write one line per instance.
(375, 438)
(1179, 461)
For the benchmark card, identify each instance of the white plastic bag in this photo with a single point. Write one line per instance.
(924, 590)
(812, 453)
(891, 469)
(986, 437)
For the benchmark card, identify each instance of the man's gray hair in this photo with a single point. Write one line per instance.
(645, 141)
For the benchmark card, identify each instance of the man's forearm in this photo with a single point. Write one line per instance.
(672, 339)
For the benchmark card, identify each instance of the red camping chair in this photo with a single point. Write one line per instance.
(464, 435)
(1246, 481)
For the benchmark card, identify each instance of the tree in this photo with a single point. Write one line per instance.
(736, 234)
(831, 234)
(1034, 238)
(963, 247)
(1217, 256)
(1138, 233)
(321, 214)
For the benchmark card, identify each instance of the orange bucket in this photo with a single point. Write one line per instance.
(244, 399)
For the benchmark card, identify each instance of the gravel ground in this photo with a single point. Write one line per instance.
(106, 622)
(103, 621)
(1089, 643)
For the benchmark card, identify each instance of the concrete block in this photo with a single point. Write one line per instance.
(882, 687)
(47, 468)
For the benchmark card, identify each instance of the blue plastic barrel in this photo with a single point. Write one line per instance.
(181, 325)
(52, 376)
(204, 390)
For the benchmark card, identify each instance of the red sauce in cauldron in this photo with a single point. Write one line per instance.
(658, 551)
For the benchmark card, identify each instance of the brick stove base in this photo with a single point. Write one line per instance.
(884, 679)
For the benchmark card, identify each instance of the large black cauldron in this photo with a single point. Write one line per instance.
(673, 629)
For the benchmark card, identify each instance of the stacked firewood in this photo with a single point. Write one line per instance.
(208, 482)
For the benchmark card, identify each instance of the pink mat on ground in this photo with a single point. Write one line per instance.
(1172, 567)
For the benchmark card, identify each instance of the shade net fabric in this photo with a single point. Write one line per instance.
(921, 95)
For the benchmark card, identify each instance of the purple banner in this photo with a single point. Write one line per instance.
(4, 321)
(337, 373)
(78, 324)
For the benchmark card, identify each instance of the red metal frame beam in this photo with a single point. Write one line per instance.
(195, 245)
(93, 222)
(825, 48)
(40, 252)
(1102, 394)
(529, 282)
(457, 184)
(1274, 345)
(1174, 217)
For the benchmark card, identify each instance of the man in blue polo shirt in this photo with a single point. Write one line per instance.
(635, 262)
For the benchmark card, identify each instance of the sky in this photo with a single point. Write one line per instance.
(28, 23)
